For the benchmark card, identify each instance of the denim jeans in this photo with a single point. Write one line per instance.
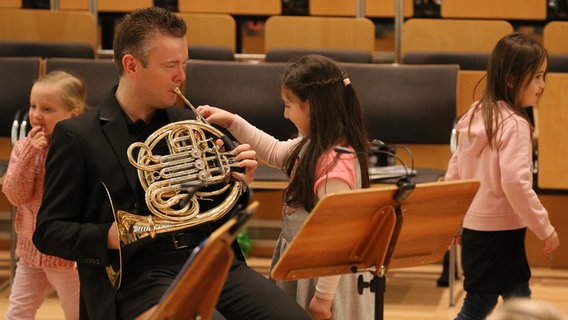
(477, 306)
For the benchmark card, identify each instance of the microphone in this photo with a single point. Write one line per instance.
(407, 174)
(377, 144)
(405, 186)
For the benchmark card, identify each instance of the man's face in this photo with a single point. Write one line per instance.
(164, 70)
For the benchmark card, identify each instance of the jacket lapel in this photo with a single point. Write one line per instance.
(116, 133)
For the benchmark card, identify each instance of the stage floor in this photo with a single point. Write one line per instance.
(410, 293)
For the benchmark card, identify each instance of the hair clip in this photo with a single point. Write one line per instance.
(346, 82)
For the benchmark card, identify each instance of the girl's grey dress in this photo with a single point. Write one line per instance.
(348, 304)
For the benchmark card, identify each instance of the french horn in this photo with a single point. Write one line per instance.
(182, 171)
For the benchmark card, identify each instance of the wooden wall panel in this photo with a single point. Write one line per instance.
(553, 133)
(494, 9)
(453, 34)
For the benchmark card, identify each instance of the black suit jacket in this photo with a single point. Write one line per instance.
(73, 220)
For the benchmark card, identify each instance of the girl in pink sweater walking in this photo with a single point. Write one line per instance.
(495, 147)
(54, 97)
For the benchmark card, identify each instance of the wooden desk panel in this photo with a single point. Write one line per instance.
(47, 25)
(235, 7)
(553, 133)
(554, 37)
(74, 4)
(348, 8)
(122, 5)
(467, 92)
(5, 148)
(556, 206)
(453, 35)
(319, 32)
(434, 156)
(492, 9)
(5, 205)
(340, 8)
(13, 4)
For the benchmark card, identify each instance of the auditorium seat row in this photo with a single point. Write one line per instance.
(413, 105)
(402, 104)
(481, 9)
(81, 27)
(347, 33)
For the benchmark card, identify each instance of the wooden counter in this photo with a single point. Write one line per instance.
(233, 7)
(492, 9)
(348, 8)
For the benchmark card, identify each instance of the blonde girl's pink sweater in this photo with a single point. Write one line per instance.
(506, 199)
(23, 186)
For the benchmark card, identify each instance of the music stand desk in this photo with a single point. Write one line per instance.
(368, 231)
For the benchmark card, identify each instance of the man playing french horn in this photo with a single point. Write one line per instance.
(151, 160)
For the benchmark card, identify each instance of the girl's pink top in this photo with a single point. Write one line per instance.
(506, 199)
(23, 186)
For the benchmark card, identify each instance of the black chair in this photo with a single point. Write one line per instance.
(99, 75)
(250, 90)
(339, 55)
(407, 104)
(17, 76)
(411, 109)
(46, 49)
(558, 63)
(466, 60)
(217, 53)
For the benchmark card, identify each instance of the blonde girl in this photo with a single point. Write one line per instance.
(54, 97)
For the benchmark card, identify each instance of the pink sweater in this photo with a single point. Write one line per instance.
(506, 199)
(23, 186)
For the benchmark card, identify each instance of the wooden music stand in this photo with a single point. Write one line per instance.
(369, 231)
(194, 293)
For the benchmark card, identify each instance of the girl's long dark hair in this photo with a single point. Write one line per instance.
(335, 119)
(516, 57)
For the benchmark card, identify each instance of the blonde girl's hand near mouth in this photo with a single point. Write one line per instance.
(38, 138)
